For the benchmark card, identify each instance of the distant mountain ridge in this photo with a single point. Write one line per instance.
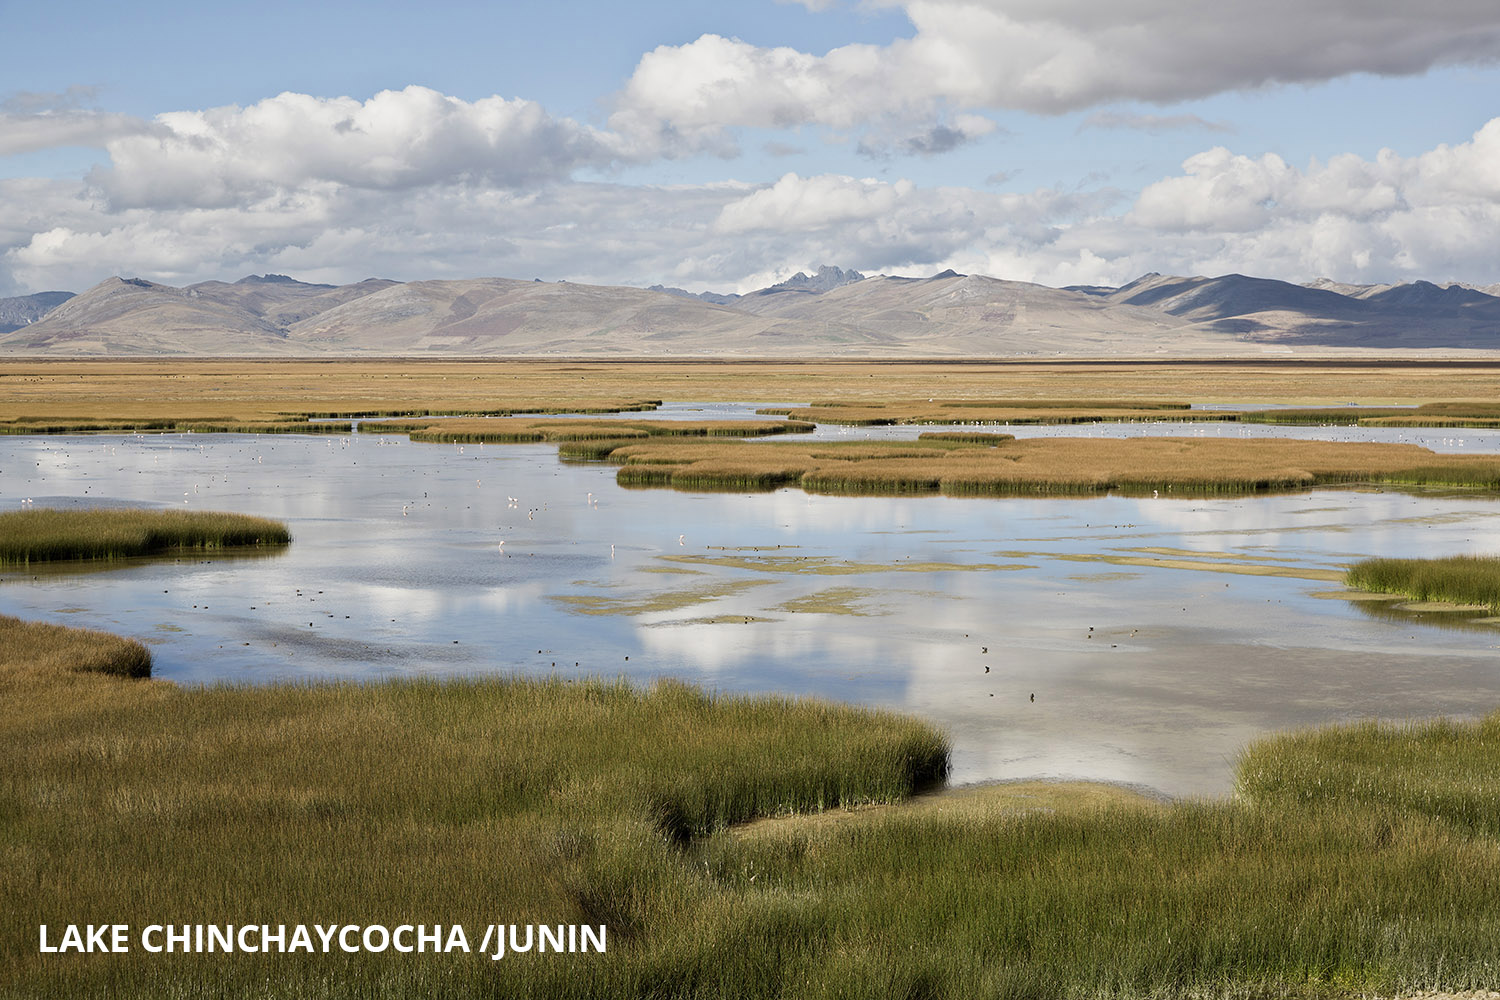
(27, 309)
(825, 279)
(831, 313)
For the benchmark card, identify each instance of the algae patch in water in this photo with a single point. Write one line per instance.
(713, 620)
(832, 601)
(1203, 565)
(828, 566)
(1163, 550)
(669, 600)
(1441, 607)
(1358, 595)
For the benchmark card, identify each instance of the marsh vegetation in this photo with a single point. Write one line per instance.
(520, 430)
(1038, 466)
(46, 535)
(1465, 580)
(1352, 860)
(257, 391)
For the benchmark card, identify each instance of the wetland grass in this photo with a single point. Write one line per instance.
(86, 425)
(279, 390)
(420, 801)
(40, 649)
(995, 411)
(518, 430)
(43, 535)
(1352, 861)
(1468, 580)
(1042, 466)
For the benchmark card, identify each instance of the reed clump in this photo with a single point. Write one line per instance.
(171, 426)
(524, 431)
(40, 649)
(1043, 466)
(994, 411)
(966, 437)
(1470, 579)
(43, 535)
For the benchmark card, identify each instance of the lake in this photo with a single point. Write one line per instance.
(1146, 630)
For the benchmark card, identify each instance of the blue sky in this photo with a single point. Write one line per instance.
(727, 145)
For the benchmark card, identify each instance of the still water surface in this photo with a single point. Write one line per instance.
(1153, 647)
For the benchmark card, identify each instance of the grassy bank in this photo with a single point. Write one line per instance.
(520, 430)
(960, 465)
(41, 535)
(45, 651)
(1084, 411)
(169, 425)
(242, 390)
(1352, 861)
(465, 802)
(1454, 579)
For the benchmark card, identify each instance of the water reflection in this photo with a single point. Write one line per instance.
(1154, 644)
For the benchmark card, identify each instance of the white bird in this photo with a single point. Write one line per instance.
(680, 540)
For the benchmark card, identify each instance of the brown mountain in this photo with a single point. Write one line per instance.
(947, 315)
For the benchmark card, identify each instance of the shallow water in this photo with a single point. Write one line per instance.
(1152, 643)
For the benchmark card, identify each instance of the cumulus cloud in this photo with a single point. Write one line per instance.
(1388, 217)
(398, 139)
(1048, 56)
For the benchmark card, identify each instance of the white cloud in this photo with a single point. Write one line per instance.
(1047, 56)
(342, 212)
(27, 132)
(397, 139)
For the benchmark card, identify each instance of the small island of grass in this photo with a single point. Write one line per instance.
(1463, 580)
(45, 535)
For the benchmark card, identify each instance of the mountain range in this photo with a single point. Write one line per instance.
(831, 313)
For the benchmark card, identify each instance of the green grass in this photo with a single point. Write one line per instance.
(44, 650)
(1455, 579)
(1352, 861)
(43, 535)
(408, 801)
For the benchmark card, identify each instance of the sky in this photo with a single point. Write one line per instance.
(726, 146)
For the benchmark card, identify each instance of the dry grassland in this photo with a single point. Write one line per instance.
(1062, 466)
(269, 390)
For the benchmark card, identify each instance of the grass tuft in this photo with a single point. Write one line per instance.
(1453, 579)
(42, 535)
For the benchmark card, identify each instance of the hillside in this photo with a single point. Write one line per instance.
(833, 313)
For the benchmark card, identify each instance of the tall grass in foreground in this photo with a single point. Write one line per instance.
(413, 801)
(42, 650)
(1458, 579)
(1352, 861)
(43, 534)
